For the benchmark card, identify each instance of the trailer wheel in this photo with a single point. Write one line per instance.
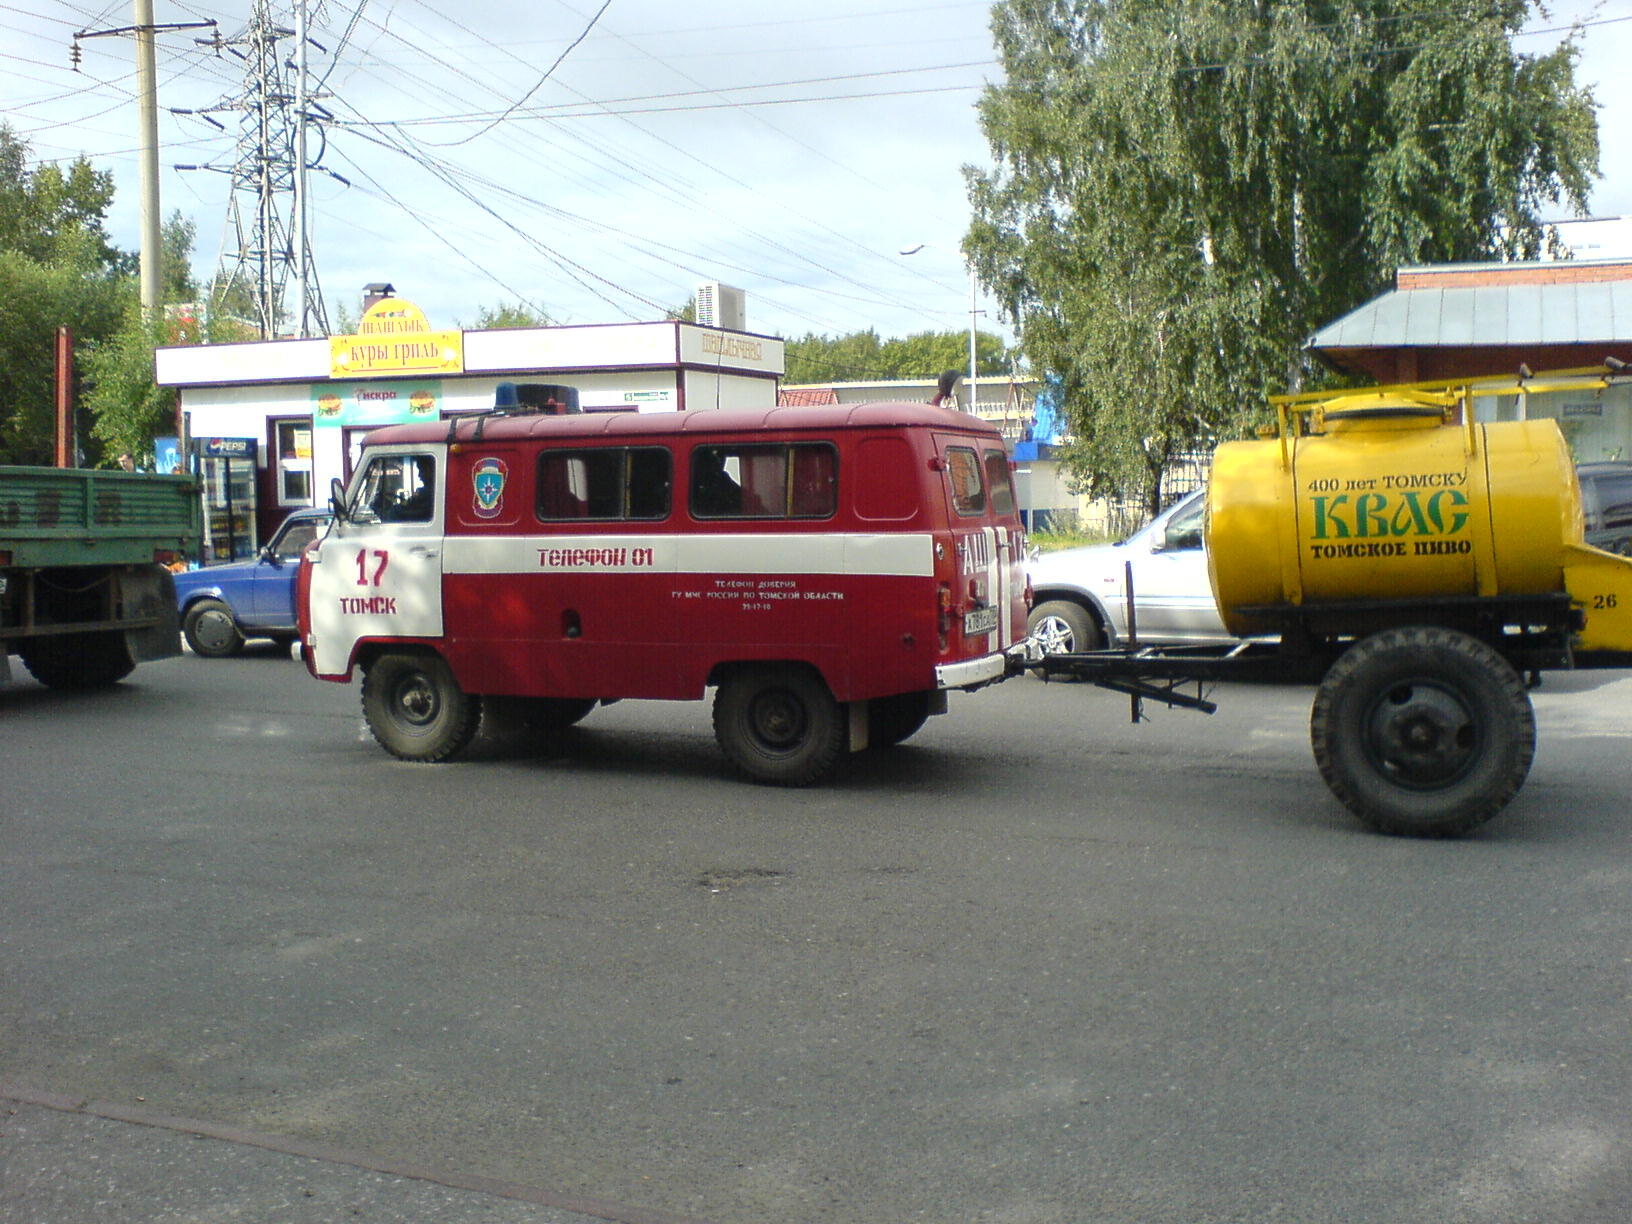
(416, 709)
(890, 720)
(1423, 732)
(211, 631)
(79, 660)
(779, 725)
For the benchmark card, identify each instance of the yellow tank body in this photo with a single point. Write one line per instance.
(1381, 499)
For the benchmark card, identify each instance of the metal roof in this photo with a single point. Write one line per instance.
(1486, 316)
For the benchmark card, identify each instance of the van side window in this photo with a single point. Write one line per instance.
(608, 482)
(997, 480)
(396, 489)
(963, 474)
(797, 481)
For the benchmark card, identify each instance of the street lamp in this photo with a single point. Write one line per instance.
(973, 312)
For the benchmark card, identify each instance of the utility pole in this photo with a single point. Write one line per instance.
(301, 244)
(147, 105)
(147, 113)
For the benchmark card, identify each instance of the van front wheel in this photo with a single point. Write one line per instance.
(779, 725)
(416, 709)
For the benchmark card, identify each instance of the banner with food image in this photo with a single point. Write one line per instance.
(394, 403)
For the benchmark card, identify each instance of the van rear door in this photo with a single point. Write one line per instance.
(986, 581)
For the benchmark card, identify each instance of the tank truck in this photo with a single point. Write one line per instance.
(1422, 569)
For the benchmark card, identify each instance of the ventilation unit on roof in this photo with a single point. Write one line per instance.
(721, 306)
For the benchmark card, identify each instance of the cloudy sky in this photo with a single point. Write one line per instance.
(793, 149)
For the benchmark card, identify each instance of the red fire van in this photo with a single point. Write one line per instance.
(832, 572)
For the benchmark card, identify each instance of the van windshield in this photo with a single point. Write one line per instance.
(396, 489)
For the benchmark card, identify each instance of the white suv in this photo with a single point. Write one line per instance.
(1080, 597)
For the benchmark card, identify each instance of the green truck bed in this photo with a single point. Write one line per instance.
(52, 517)
(85, 594)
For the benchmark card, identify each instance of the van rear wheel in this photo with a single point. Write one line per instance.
(779, 725)
(416, 709)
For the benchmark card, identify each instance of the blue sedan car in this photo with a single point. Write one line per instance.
(224, 604)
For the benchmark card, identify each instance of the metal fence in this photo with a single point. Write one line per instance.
(1186, 472)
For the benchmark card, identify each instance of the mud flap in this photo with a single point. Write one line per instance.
(149, 593)
(856, 712)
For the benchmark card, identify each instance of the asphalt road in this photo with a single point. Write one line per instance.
(1036, 965)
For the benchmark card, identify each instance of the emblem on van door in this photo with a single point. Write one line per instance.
(487, 480)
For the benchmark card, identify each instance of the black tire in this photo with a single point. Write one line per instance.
(1063, 627)
(79, 660)
(211, 630)
(416, 709)
(779, 725)
(1423, 732)
(893, 719)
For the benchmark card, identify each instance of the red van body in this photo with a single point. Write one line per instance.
(834, 571)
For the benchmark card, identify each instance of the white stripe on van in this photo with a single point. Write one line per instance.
(890, 555)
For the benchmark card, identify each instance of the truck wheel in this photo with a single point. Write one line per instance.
(893, 719)
(1423, 732)
(211, 630)
(79, 660)
(416, 709)
(779, 725)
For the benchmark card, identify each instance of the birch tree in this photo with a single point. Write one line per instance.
(1183, 190)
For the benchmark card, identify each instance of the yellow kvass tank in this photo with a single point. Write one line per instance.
(1377, 496)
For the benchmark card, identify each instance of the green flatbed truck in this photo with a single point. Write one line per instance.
(85, 588)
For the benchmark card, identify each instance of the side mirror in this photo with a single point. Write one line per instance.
(267, 556)
(337, 500)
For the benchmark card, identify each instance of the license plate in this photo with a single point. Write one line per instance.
(977, 621)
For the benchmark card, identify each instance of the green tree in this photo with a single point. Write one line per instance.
(863, 357)
(510, 314)
(56, 216)
(823, 359)
(35, 300)
(127, 408)
(926, 354)
(57, 269)
(1184, 189)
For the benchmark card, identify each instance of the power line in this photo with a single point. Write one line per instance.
(548, 111)
(539, 84)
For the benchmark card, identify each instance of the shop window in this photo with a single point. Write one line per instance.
(292, 449)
